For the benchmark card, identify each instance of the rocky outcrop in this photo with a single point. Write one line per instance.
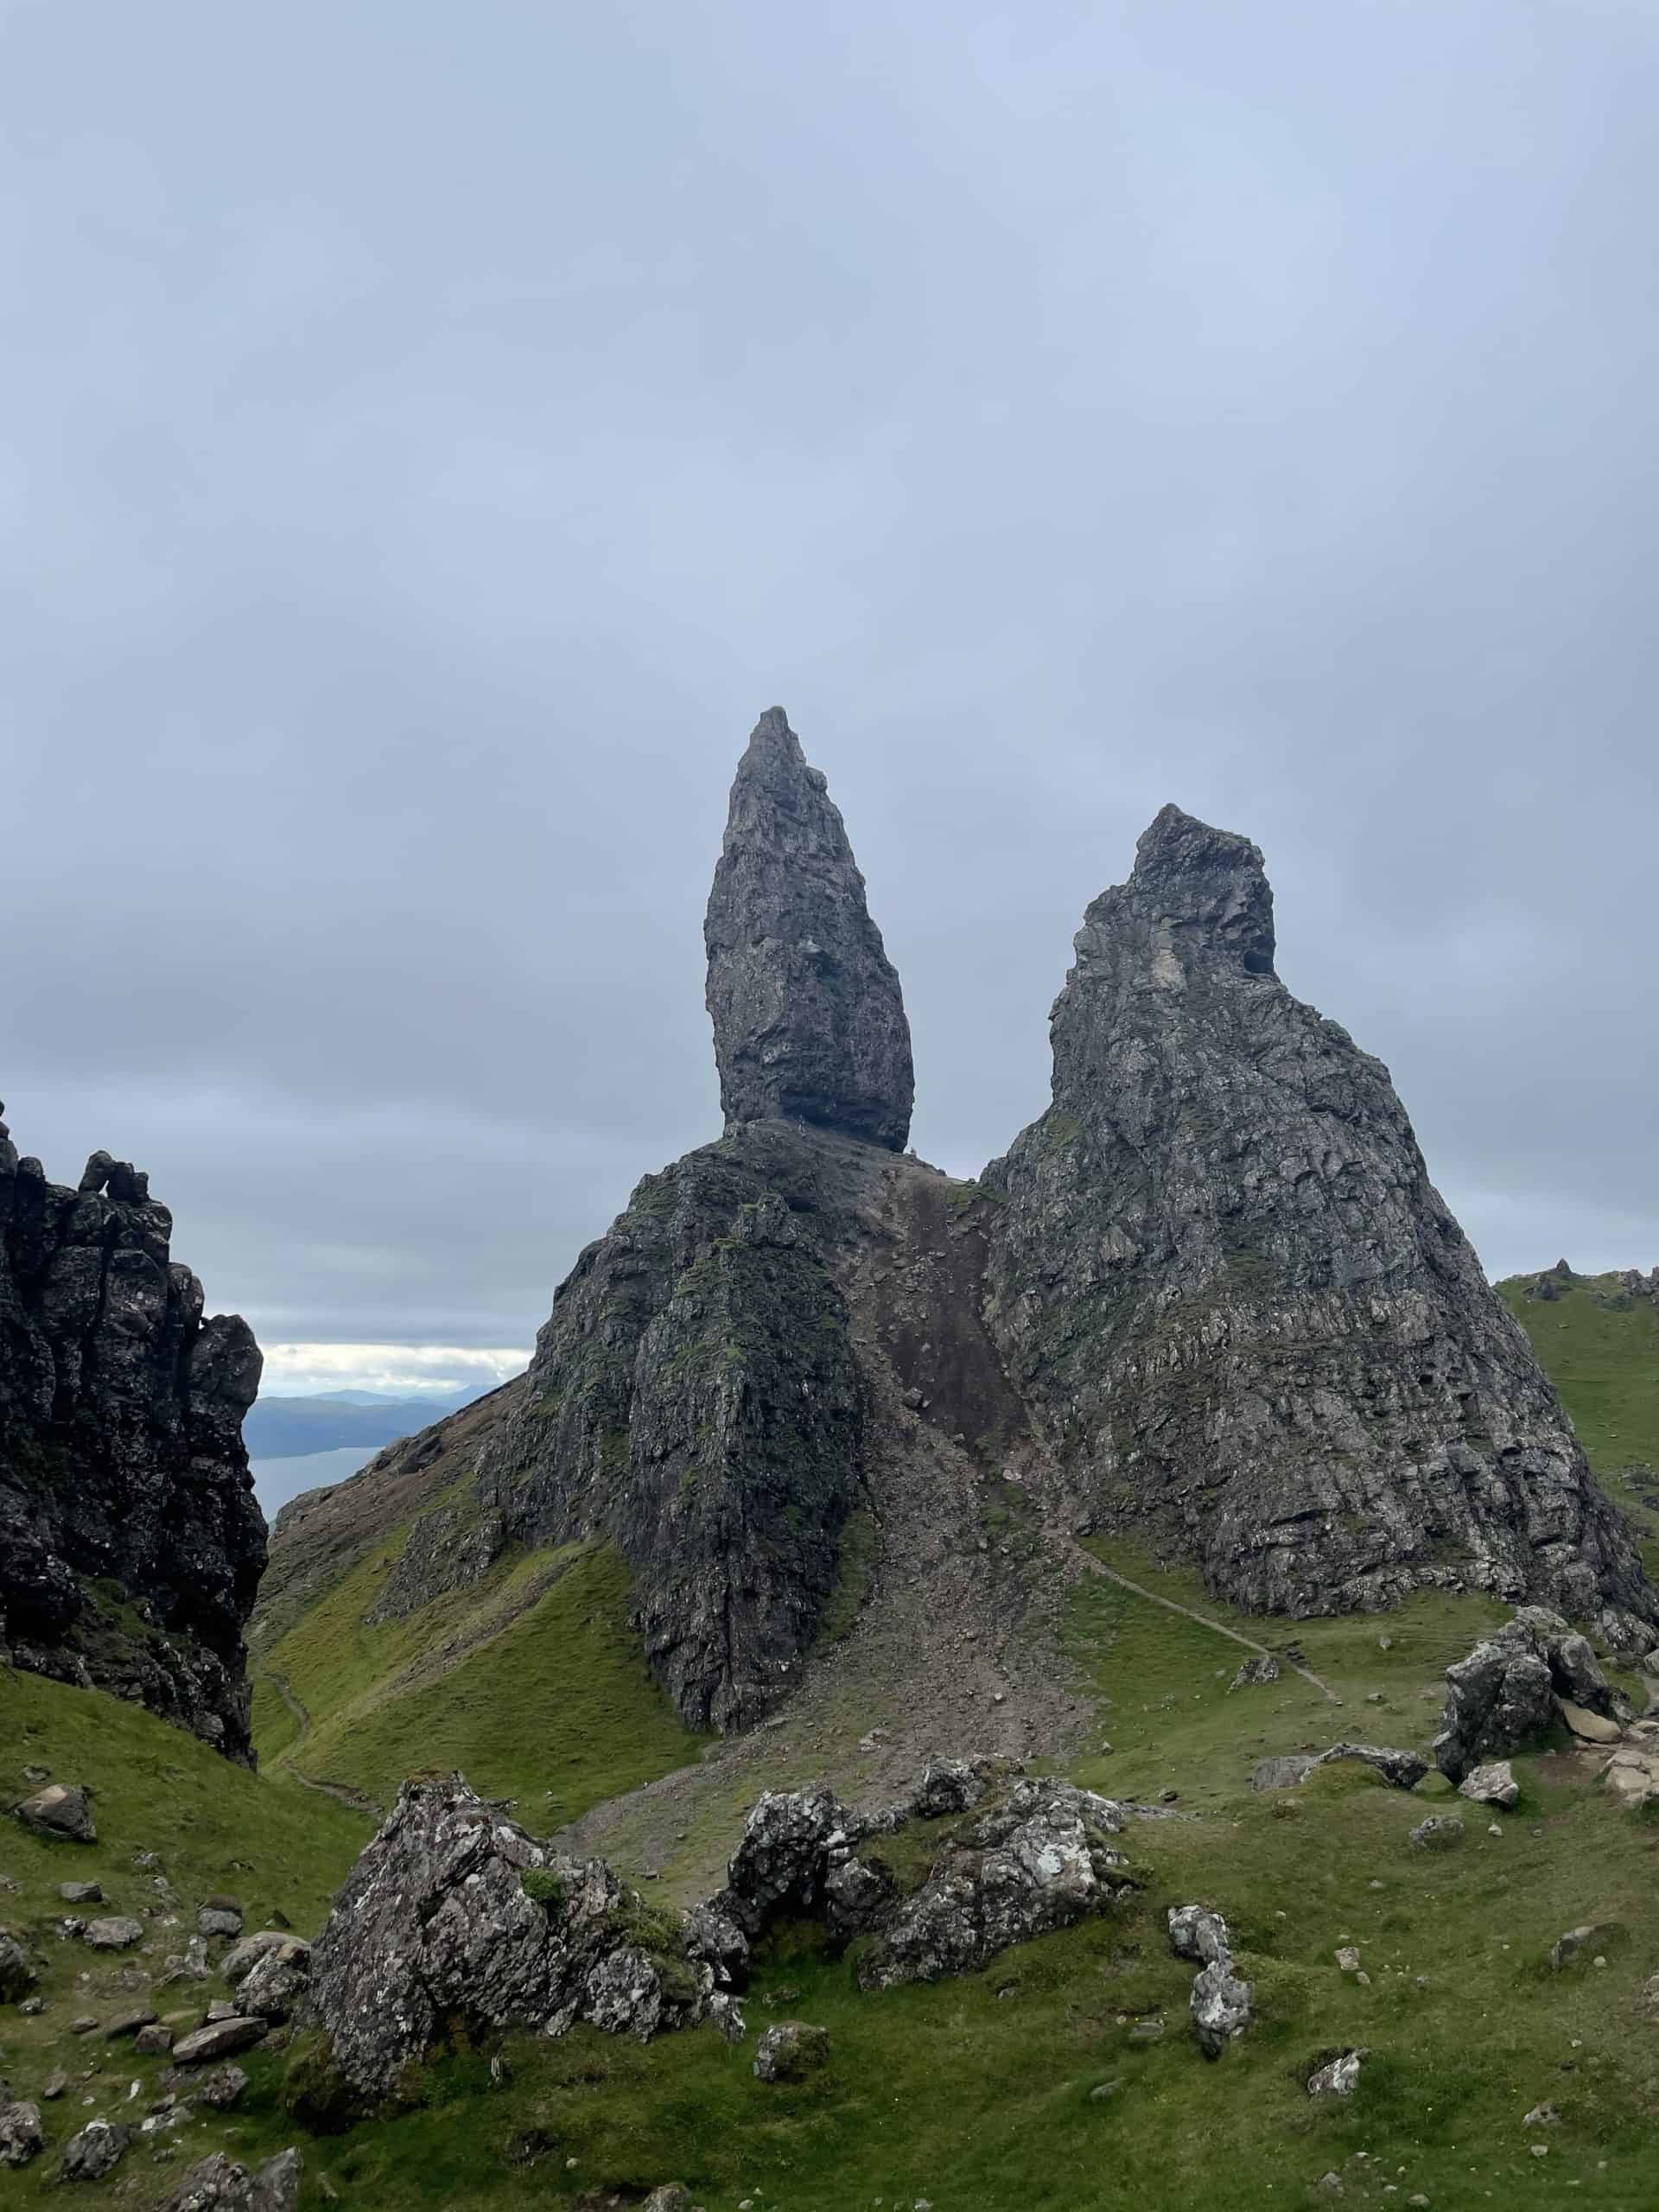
(454, 1914)
(1505, 1694)
(695, 1399)
(809, 1022)
(1250, 1328)
(130, 1542)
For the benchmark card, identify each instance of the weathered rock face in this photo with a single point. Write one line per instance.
(454, 1912)
(695, 1399)
(1248, 1326)
(130, 1542)
(809, 1022)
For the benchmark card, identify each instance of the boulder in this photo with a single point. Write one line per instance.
(1492, 1783)
(1589, 1727)
(789, 2051)
(275, 1985)
(130, 2024)
(1631, 1777)
(793, 1841)
(1401, 1770)
(1440, 1832)
(221, 2088)
(1220, 2006)
(1264, 1667)
(81, 1893)
(244, 1955)
(154, 2042)
(1340, 2078)
(61, 1811)
(1199, 1935)
(454, 1913)
(96, 2151)
(23, 2135)
(1503, 1695)
(219, 2184)
(946, 1786)
(116, 1933)
(1572, 1946)
(671, 2197)
(218, 2039)
(219, 1921)
(1041, 1860)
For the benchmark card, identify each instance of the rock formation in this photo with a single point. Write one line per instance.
(809, 1022)
(1242, 1316)
(130, 1542)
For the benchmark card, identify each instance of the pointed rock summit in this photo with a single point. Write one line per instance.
(808, 1021)
(1243, 1316)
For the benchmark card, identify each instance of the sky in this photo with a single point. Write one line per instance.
(430, 436)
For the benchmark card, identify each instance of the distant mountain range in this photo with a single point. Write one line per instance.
(294, 1429)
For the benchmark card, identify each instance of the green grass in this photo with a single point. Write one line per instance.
(1605, 1364)
(1605, 1361)
(552, 1705)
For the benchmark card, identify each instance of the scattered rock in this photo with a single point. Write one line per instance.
(1493, 1784)
(1566, 1948)
(217, 2184)
(1348, 1960)
(96, 2151)
(671, 2197)
(1197, 1934)
(218, 2039)
(1338, 2078)
(1220, 2006)
(1440, 1832)
(790, 2050)
(275, 1985)
(1283, 1771)
(216, 1919)
(61, 1811)
(154, 2042)
(56, 2084)
(1264, 1667)
(1588, 1727)
(1542, 2116)
(116, 1933)
(81, 1893)
(242, 1957)
(1632, 1777)
(222, 2087)
(130, 2024)
(1402, 1770)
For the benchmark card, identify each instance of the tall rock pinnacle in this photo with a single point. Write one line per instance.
(809, 1021)
(1250, 1327)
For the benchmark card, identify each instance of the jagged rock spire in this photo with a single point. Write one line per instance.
(809, 1020)
(1254, 1331)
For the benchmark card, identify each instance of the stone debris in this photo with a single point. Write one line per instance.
(1440, 1832)
(22, 2133)
(1219, 2002)
(1338, 2078)
(790, 2050)
(1493, 1784)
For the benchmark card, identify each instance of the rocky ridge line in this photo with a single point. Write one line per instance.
(131, 1544)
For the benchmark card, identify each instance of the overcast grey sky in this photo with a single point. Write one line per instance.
(432, 433)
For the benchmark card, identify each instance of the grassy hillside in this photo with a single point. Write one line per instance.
(1599, 1346)
(532, 1683)
(979, 2095)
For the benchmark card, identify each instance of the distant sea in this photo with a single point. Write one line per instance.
(277, 1480)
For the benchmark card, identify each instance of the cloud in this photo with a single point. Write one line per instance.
(1060, 412)
(402, 1371)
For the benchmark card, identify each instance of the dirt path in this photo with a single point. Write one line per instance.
(338, 1791)
(1087, 1559)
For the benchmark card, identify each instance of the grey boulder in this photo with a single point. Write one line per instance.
(96, 2151)
(23, 2136)
(60, 1810)
(1492, 1783)
(1503, 1695)
(218, 2039)
(116, 1933)
(1220, 2006)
